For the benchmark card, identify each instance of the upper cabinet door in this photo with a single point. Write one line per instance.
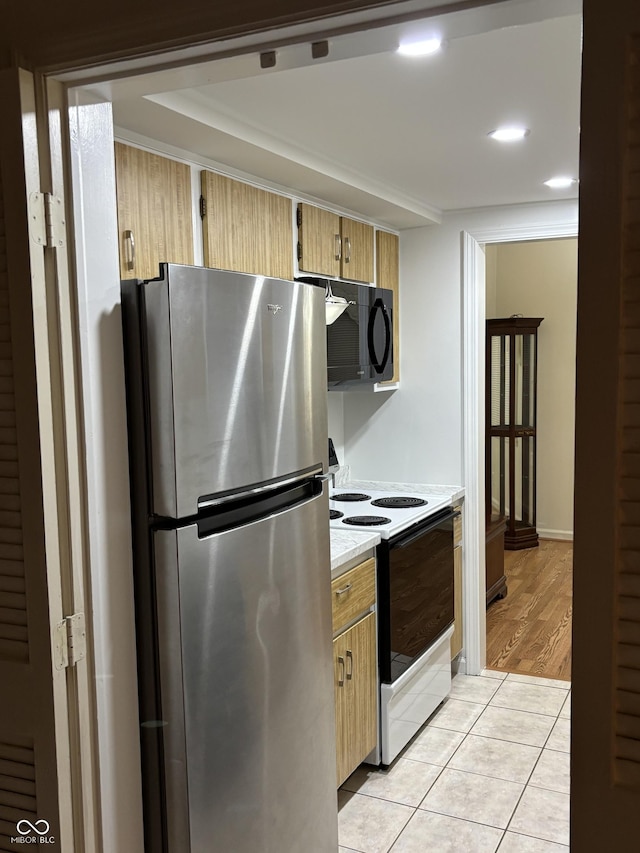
(319, 241)
(357, 250)
(388, 275)
(154, 212)
(246, 229)
(333, 245)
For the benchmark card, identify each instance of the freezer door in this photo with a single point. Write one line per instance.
(245, 652)
(236, 372)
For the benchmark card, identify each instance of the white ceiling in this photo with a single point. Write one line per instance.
(398, 139)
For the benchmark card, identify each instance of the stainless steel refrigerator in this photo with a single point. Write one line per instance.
(226, 395)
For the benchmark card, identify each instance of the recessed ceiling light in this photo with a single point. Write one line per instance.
(509, 134)
(560, 183)
(420, 48)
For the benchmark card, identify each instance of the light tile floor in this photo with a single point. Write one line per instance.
(489, 772)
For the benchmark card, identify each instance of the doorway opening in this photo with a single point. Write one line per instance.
(100, 329)
(529, 627)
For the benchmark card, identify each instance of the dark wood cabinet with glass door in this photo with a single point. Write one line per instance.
(511, 388)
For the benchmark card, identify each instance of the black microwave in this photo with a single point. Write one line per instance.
(360, 338)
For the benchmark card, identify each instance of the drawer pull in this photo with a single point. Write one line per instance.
(350, 660)
(341, 678)
(344, 589)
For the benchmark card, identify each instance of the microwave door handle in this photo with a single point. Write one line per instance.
(379, 366)
(387, 332)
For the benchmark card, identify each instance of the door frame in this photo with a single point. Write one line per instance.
(473, 420)
(49, 700)
(120, 650)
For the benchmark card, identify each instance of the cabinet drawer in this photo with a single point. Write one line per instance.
(353, 593)
(457, 530)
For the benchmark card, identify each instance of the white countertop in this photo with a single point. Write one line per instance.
(347, 544)
(454, 493)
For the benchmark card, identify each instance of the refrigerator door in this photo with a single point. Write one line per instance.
(245, 655)
(236, 373)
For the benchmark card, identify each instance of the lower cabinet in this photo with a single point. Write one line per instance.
(354, 665)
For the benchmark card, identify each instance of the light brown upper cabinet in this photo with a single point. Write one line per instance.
(357, 249)
(334, 245)
(246, 229)
(388, 275)
(154, 211)
(319, 241)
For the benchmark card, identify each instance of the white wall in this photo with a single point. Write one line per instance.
(414, 434)
(539, 279)
(335, 412)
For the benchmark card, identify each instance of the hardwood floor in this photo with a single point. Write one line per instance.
(529, 631)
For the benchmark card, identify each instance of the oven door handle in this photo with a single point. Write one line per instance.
(436, 522)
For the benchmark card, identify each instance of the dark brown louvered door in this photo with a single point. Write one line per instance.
(17, 768)
(626, 764)
(33, 710)
(605, 765)
(14, 635)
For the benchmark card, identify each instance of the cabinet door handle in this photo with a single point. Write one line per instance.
(130, 250)
(341, 678)
(344, 589)
(350, 661)
(338, 247)
(347, 256)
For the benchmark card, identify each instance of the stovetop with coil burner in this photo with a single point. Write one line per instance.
(382, 512)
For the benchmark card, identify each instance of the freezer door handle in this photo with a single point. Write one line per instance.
(208, 502)
(248, 510)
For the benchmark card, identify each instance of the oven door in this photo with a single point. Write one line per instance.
(415, 592)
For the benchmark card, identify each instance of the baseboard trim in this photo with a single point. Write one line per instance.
(560, 535)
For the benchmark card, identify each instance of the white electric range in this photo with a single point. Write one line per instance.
(414, 602)
(386, 513)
